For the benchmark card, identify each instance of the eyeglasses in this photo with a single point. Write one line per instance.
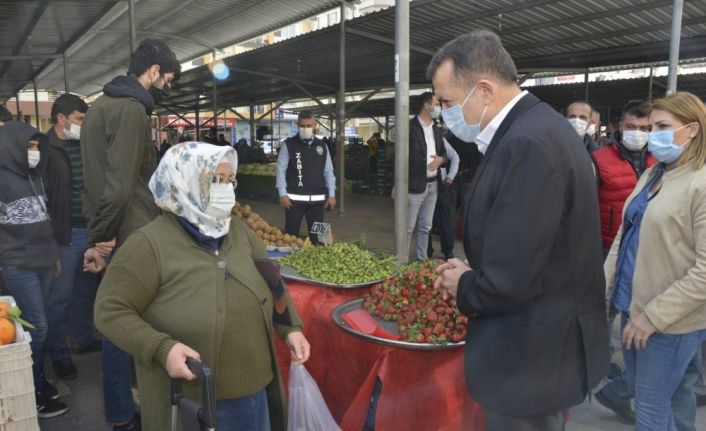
(222, 179)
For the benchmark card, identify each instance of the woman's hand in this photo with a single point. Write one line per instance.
(299, 348)
(637, 331)
(176, 362)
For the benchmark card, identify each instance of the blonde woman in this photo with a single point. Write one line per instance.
(656, 271)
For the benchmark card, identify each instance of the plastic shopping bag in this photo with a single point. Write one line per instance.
(307, 408)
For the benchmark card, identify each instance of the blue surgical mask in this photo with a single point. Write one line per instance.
(456, 122)
(661, 145)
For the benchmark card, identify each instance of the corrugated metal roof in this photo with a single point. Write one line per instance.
(539, 34)
(33, 29)
(608, 97)
(190, 27)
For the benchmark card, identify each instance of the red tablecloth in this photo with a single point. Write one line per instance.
(422, 390)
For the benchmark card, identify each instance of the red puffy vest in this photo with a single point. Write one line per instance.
(618, 179)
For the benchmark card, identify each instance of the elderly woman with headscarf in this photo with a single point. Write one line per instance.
(187, 286)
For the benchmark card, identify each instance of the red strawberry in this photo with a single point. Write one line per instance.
(420, 338)
(432, 317)
(438, 329)
(457, 338)
(450, 325)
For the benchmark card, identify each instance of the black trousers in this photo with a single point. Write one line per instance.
(444, 219)
(497, 422)
(314, 212)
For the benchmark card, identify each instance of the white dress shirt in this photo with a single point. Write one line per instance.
(486, 136)
(431, 143)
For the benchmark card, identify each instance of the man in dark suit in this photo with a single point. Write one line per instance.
(533, 285)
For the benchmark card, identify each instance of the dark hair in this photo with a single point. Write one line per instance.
(5, 115)
(305, 115)
(473, 54)
(67, 104)
(424, 98)
(638, 108)
(151, 52)
(583, 102)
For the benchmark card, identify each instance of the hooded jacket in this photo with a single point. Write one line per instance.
(118, 161)
(26, 234)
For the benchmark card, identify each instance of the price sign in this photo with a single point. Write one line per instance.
(323, 232)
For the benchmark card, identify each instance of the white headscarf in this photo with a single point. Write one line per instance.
(182, 182)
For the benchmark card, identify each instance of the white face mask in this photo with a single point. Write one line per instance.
(579, 125)
(435, 112)
(74, 132)
(221, 200)
(591, 130)
(33, 158)
(634, 140)
(306, 133)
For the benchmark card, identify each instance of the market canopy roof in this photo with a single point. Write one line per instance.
(541, 35)
(95, 35)
(608, 97)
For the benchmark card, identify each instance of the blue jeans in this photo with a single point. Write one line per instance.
(117, 384)
(618, 389)
(70, 302)
(30, 288)
(655, 374)
(248, 413)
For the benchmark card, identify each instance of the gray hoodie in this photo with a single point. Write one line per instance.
(26, 236)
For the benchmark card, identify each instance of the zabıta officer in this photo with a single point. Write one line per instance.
(305, 179)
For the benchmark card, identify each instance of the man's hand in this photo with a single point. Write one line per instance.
(638, 331)
(93, 261)
(331, 203)
(435, 163)
(285, 202)
(299, 348)
(448, 181)
(176, 361)
(57, 269)
(105, 248)
(449, 275)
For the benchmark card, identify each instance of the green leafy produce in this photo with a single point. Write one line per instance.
(340, 263)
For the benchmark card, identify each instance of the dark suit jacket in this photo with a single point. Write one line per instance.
(537, 334)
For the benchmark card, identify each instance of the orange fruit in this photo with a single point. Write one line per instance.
(4, 307)
(7, 331)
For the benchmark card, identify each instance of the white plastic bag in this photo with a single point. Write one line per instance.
(307, 408)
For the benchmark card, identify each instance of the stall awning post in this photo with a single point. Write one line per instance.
(675, 37)
(341, 111)
(401, 127)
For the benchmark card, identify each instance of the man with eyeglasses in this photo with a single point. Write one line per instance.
(118, 162)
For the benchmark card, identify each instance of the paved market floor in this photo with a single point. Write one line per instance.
(364, 214)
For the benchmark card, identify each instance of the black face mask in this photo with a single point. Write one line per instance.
(159, 94)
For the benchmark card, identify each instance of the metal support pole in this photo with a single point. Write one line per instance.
(132, 23)
(215, 97)
(330, 126)
(585, 85)
(341, 109)
(36, 104)
(197, 127)
(272, 130)
(387, 128)
(674, 46)
(649, 91)
(401, 128)
(253, 136)
(66, 73)
(17, 106)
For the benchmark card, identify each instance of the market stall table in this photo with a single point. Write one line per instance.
(422, 390)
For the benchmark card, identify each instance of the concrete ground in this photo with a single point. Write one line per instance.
(368, 215)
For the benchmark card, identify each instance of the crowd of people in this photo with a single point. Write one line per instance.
(566, 227)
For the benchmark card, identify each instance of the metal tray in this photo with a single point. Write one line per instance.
(290, 273)
(391, 327)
